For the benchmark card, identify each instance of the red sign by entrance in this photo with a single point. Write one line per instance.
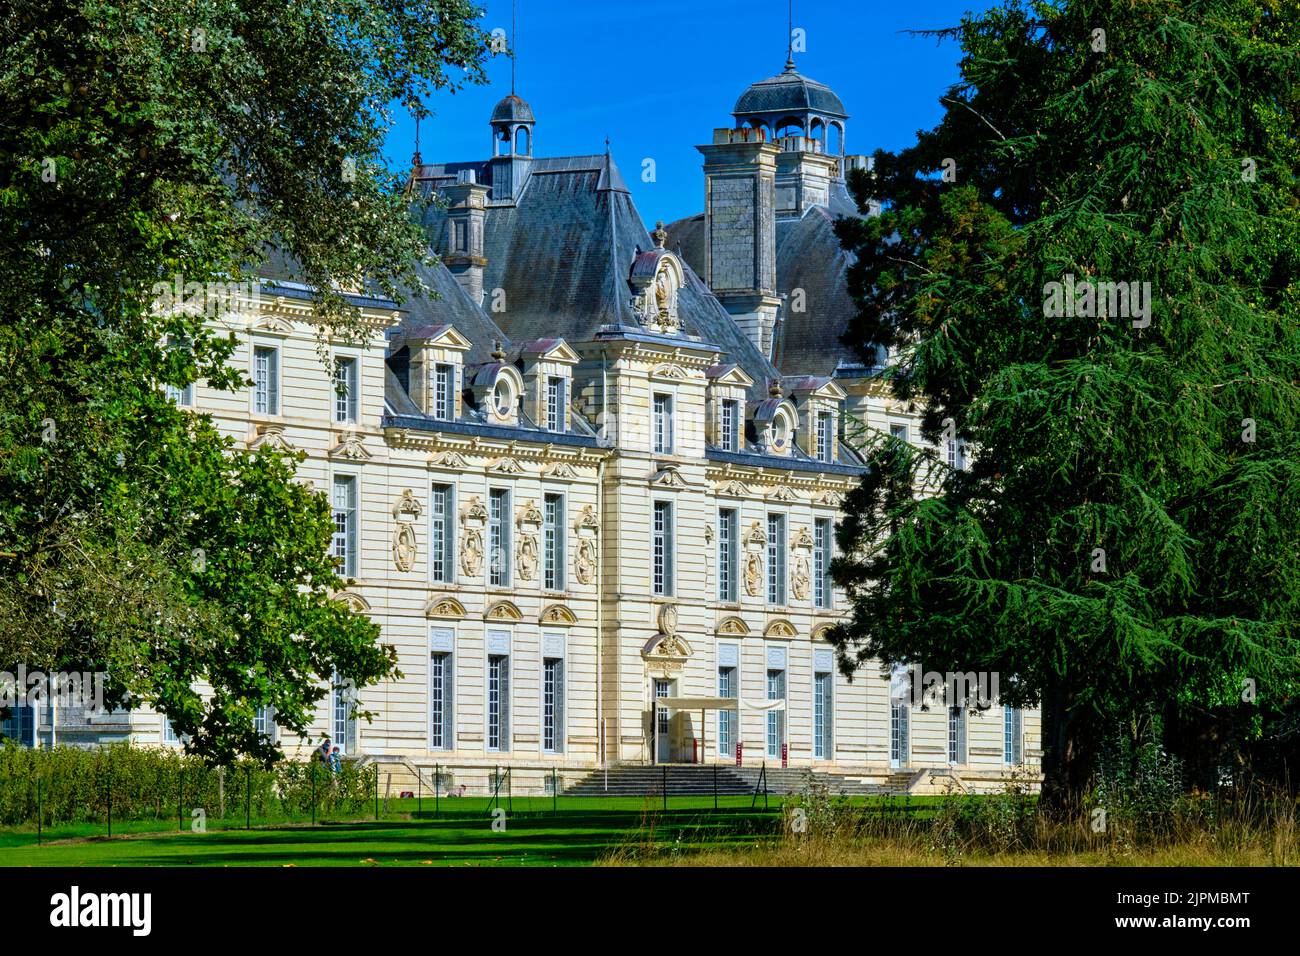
(785, 755)
(740, 754)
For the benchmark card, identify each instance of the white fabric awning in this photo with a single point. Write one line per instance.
(716, 703)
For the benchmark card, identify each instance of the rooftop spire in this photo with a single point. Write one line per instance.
(789, 36)
(514, 44)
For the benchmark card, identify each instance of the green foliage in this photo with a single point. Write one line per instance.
(200, 139)
(1167, 156)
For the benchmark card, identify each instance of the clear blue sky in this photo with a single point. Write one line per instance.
(657, 76)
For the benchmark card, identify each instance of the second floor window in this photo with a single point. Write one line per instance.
(662, 424)
(346, 398)
(728, 525)
(776, 559)
(266, 380)
(662, 549)
(730, 432)
(822, 562)
(553, 543)
(442, 534)
(444, 392)
(555, 404)
(499, 537)
(345, 524)
(825, 436)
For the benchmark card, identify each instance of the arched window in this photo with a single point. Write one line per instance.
(790, 126)
(522, 144)
(817, 131)
(835, 140)
(501, 145)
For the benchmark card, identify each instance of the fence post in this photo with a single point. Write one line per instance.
(419, 792)
(664, 787)
(715, 786)
(110, 801)
(510, 791)
(38, 811)
(248, 798)
(376, 793)
(180, 800)
(555, 791)
(437, 786)
(313, 792)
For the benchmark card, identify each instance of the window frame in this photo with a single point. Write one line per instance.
(823, 553)
(662, 438)
(351, 558)
(662, 558)
(266, 392)
(777, 565)
(348, 403)
(442, 543)
(554, 545)
(729, 567)
(499, 570)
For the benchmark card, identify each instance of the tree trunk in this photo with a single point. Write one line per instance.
(1069, 755)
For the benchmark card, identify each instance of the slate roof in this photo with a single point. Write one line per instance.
(808, 257)
(512, 109)
(789, 91)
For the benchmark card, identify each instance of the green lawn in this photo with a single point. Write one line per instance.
(581, 832)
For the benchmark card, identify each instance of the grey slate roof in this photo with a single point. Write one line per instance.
(792, 92)
(512, 109)
(808, 257)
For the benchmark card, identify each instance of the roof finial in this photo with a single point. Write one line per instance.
(415, 160)
(497, 352)
(774, 388)
(514, 44)
(789, 37)
(660, 234)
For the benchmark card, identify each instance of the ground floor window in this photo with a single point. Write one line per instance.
(822, 715)
(726, 718)
(775, 718)
(441, 697)
(956, 735)
(553, 704)
(343, 726)
(498, 702)
(898, 730)
(1012, 736)
(20, 725)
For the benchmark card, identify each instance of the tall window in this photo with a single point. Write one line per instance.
(555, 404)
(441, 700)
(169, 732)
(956, 455)
(899, 432)
(727, 718)
(553, 543)
(553, 704)
(898, 733)
(346, 390)
(728, 578)
(662, 548)
(823, 684)
(499, 537)
(498, 702)
(442, 535)
(730, 425)
(444, 392)
(343, 727)
(825, 436)
(345, 524)
(180, 395)
(956, 734)
(264, 721)
(775, 718)
(775, 559)
(1012, 735)
(266, 380)
(20, 725)
(662, 424)
(822, 562)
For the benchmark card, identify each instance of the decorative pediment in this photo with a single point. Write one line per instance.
(503, 611)
(529, 514)
(448, 459)
(734, 489)
(444, 607)
(351, 447)
(733, 627)
(407, 506)
(558, 614)
(560, 471)
(587, 521)
(274, 324)
(802, 539)
(442, 336)
(780, 628)
(271, 437)
(354, 602)
(671, 647)
(552, 350)
(732, 375)
(831, 497)
(668, 477)
(506, 466)
(784, 493)
(755, 535)
(670, 371)
(821, 632)
(474, 511)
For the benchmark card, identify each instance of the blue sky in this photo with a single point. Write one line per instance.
(657, 76)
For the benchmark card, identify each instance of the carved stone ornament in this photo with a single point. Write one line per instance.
(668, 620)
(404, 546)
(526, 557)
(799, 579)
(350, 446)
(753, 572)
(473, 517)
(269, 435)
(584, 560)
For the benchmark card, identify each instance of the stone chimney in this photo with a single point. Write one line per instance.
(463, 256)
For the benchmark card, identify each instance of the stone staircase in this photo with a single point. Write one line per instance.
(634, 780)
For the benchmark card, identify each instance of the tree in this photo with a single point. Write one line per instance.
(190, 140)
(1124, 542)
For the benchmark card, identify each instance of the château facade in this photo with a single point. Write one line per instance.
(589, 492)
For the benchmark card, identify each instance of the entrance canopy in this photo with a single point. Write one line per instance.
(716, 703)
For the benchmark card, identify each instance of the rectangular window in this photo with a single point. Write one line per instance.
(461, 240)
(956, 735)
(823, 684)
(444, 392)
(728, 553)
(730, 425)
(346, 390)
(727, 684)
(264, 722)
(555, 404)
(266, 380)
(899, 432)
(343, 727)
(178, 395)
(822, 562)
(825, 436)
(345, 524)
(662, 422)
(956, 455)
(553, 543)
(20, 725)
(775, 559)
(442, 534)
(498, 702)
(169, 732)
(441, 698)
(553, 704)
(775, 718)
(1012, 736)
(499, 537)
(898, 731)
(662, 548)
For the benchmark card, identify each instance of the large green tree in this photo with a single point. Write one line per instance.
(1125, 543)
(141, 140)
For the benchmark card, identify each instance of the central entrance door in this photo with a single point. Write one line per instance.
(663, 740)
